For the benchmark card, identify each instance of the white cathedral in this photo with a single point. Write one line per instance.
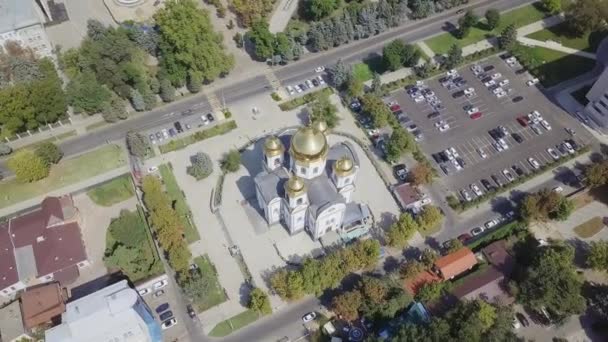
(310, 188)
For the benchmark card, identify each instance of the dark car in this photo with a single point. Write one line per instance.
(437, 158)
(488, 68)
(315, 82)
(467, 107)
(162, 307)
(517, 137)
(191, 311)
(210, 117)
(464, 238)
(400, 171)
(518, 170)
(486, 184)
(165, 315)
(382, 146)
(520, 71)
(497, 180)
(178, 126)
(461, 162)
(522, 319)
(518, 99)
(458, 94)
(486, 79)
(172, 132)
(433, 115)
(443, 156)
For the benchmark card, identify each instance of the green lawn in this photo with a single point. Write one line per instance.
(65, 173)
(115, 191)
(215, 294)
(519, 17)
(181, 206)
(234, 323)
(362, 72)
(430, 231)
(550, 66)
(560, 33)
(589, 228)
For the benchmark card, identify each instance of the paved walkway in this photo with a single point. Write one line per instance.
(563, 230)
(555, 46)
(427, 50)
(281, 15)
(32, 202)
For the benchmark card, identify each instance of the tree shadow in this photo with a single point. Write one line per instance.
(411, 253)
(391, 264)
(581, 249)
(433, 243)
(244, 291)
(450, 28)
(304, 115)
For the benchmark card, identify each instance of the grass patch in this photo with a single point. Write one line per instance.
(215, 292)
(65, 173)
(52, 139)
(114, 191)
(96, 125)
(519, 17)
(589, 228)
(234, 323)
(561, 34)
(431, 230)
(580, 95)
(302, 100)
(582, 199)
(178, 144)
(181, 206)
(550, 66)
(362, 72)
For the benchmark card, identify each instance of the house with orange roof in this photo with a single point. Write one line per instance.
(453, 264)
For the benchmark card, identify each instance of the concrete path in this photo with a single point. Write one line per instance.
(563, 230)
(282, 14)
(555, 46)
(539, 25)
(479, 46)
(392, 76)
(426, 49)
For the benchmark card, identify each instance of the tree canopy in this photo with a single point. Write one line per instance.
(397, 54)
(545, 205)
(28, 166)
(322, 109)
(597, 258)
(402, 230)
(376, 109)
(49, 152)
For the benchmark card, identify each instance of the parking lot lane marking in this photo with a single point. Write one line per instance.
(544, 158)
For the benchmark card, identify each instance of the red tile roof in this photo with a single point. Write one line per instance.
(455, 263)
(8, 264)
(42, 303)
(406, 194)
(62, 247)
(414, 284)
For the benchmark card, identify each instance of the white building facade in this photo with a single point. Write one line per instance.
(21, 21)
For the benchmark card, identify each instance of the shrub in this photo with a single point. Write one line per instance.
(300, 101)
(231, 161)
(275, 96)
(28, 166)
(178, 144)
(49, 152)
(201, 167)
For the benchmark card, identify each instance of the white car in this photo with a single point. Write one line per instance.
(476, 189)
(553, 154)
(440, 123)
(169, 323)
(418, 98)
(568, 147)
(490, 224)
(452, 72)
(508, 175)
(465, 194)
(497, 146)
(320, 69)
(489, 83)
(532, 82)
(309, 84)
(545, 124)
(496, 76)
(457, 165)
(444, 128)
(470, 90)
(558, 189)
(482, 154)
(511, 60)
(503, 83)
(516, 324)
(309, 317)
(472, 110)
(321, 80)
(152, 169)
(498, 90)
(536, 129)
(501, 94)
(204, 120)
(503, 143)
(144, 291)
(454, 152)
(160, 284)
(290, 90)
(534, 163)
(298, 88)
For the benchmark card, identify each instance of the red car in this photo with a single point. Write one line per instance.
(475, 115)
(522, 120)
(395, 108)
(464, 237)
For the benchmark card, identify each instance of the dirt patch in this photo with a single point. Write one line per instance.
(589, 228)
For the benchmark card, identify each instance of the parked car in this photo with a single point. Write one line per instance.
(191, 311)
(523, 120)
(534, 163)
(160, 284)
(178, 126)
(400, 171)
(482, 154)
(204, 120)
(497, 180)
(210, 117)
(522, 319)
(465, 194)
(517, 99)
(433, 115)
(169, 323)
(143, 292)
(309, 317)
(508, 175)
(552, 153)
(159, 293)
(464, 238)
(486, 184)
(490, 224)
(165, 315)
(161, 308)
(476, 189)
(517, 137)
(476, 231)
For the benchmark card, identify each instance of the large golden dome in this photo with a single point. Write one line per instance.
(320, 125)
(308, 144)
(295, 186)
(273, 146)
(344, 166)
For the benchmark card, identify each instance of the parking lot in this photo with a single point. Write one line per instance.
(163, 302)
(492, 148)
(188, 120)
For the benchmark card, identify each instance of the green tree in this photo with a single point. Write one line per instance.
(263, 40)
(552, 281)
(545, 205)
(5, 149)
(192, 47)
(249, 11)
(259, 301)
(374, 290)
(429, 217)
(355, 87)
(201, 167)
(137, 144)
(137, 100)
(167, 91)
(340, 74)
(597, 258)
(196, 287)
(231, 161)
(346, 305)
(421, 173)
(428, 258)
(49, 153)
(399, 143)
(586, 16)
(376, 109)
(402, 230)
(552, 6)
(430, 291)
(377, 85)
(564, 208)
(194, 82)
(393, 54)
(508, 37)
(596, 174)
(319, 9)
(454, 57)
(454, 245)
(28, 166)
(322, 109)
(492, 18)
(114, 109)
(127, 230)
(410, 269)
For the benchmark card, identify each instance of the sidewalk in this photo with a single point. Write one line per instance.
(281, 15)
(555, 46)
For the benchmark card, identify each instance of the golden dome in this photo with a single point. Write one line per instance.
(308, 144)
(344, 166)
(320, 125)
(273, 146)
(295, 186)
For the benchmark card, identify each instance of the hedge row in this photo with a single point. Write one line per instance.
(462, 206)
(302, 100)
(499, 233)
(178, 144)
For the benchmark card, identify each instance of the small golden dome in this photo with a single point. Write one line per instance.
(295, 186)
(344, 166)
(308, 144)
(273, 146)
(320, 125)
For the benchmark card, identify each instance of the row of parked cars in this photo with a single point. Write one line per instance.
(422, 93)
(494, 82)
(306, 85)
(447, 157)
(178, 128)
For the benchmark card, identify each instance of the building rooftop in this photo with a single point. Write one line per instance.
(15, 14)
(41, 304)
(496, 253)
(455, 263)
(8, 264)
(406, 194)
(486, 285)
(11, 325)
(110, 314)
